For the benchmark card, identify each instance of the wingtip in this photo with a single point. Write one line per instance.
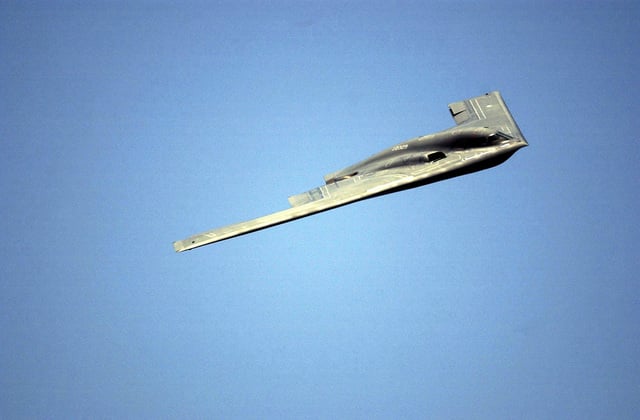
(178, 246)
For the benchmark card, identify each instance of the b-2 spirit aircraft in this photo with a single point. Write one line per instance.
(484, 136)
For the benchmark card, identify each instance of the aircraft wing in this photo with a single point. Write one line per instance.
(327, 197)
(317, 200)
(476, 111)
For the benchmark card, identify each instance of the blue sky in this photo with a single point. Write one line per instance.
(509, 293)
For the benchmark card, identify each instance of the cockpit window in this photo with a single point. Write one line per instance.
(498, 136)
(432, 157)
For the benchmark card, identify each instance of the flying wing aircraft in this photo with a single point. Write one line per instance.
(484, 136)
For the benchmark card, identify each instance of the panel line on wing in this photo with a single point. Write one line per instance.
(479, 108)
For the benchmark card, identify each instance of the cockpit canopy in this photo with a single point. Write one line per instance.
(491, 138)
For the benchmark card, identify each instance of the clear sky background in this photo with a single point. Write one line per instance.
(509, 293)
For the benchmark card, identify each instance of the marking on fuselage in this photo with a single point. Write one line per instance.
(399, 147)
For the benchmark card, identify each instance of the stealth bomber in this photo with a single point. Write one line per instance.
(484, 136)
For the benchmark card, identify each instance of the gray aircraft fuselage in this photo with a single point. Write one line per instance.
(485, 135)
(433, 147)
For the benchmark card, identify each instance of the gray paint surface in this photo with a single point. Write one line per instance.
(484, 136)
